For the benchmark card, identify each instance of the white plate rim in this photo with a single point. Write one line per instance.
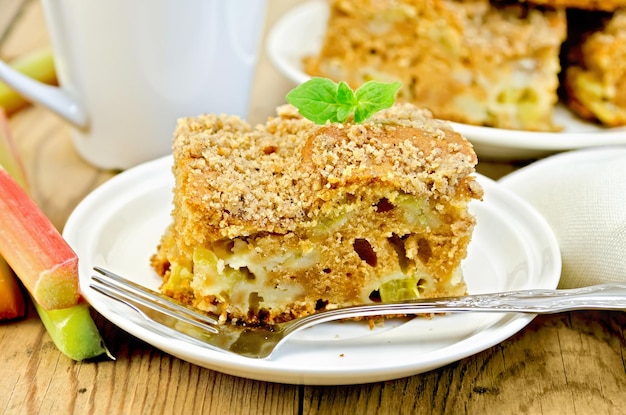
(133, 183)
(490, 140)
(538, 170)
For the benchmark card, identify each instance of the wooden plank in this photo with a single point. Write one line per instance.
(10, 10)
(565, 363)
(37, 379)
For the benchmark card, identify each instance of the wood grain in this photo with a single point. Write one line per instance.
(570, 363)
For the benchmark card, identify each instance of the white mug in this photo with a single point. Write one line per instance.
(127, 69)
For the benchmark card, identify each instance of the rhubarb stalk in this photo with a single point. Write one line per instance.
(34, 248)
(38, 65)
(12, 304)
(29, 242)
(72, 329)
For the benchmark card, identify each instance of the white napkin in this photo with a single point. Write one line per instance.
(582, 195)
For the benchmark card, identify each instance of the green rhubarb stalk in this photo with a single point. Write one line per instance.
(38, 65)
(9, 156)
(72, 329)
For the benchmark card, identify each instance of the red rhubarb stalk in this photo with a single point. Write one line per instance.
(34, 248)
(12, 304)
(72, 329)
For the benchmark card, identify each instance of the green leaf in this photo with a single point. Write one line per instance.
(345, 95)
(316, 99)
(322, 100)
(346, 100)
(372, 97)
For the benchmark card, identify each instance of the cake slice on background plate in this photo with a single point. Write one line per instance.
(594, 60)
(589, 5)
(475, 62)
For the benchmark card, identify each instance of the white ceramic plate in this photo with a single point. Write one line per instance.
(300, 33)
(526, 181)
(119, 225)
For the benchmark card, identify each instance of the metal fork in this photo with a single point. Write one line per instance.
(181, 321)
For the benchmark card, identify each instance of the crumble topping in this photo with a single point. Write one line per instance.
(270, 178)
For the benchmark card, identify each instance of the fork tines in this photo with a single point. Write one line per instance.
(120, 288)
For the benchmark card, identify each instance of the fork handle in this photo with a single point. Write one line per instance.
(597, 297)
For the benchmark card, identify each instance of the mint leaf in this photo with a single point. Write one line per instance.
(322, 100)
(316, 99)
(372, 97)
(345, 95)
(347, 99)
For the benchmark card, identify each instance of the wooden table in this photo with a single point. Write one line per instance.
(570, 363)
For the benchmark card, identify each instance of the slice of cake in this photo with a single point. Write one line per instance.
(605, 5)
(473, 61)
(595, 66)
(284, 219)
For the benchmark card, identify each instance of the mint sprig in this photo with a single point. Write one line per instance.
(321, 100)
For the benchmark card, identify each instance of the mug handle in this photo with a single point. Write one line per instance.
(51, 97)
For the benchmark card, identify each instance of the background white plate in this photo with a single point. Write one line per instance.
(300, 33)
(118, 227)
